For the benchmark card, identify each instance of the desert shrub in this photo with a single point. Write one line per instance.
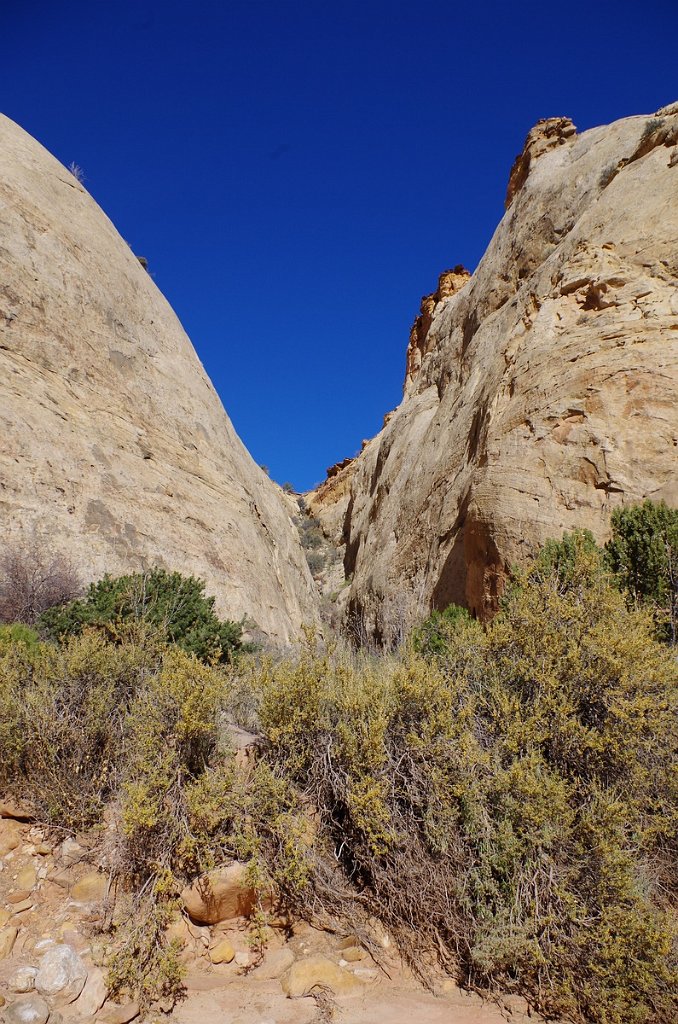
(77, 171)
(18, 633)
(430, 638)
(311, 535)
(135, 725)
(501, 797)
(33, 579)
(168, 601)
(316, 561)
(575, 560)
(608, 174)
(65, 713)
(651, 126)
(509, 802)
(643, 553)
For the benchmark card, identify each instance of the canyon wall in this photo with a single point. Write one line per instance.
(540, 392)
(114, 446)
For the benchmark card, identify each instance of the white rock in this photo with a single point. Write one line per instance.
(23, 980)
(61, 975)
(30, 1009)
(42, 945)
(540, 392)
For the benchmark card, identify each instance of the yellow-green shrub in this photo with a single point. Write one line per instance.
(507, 800)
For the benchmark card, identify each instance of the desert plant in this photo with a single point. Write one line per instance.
(608, 174)
(643, 553)
(430, 638)
(77, 171)
(508, 801)
(34, 578)
(169, 602)
(651, 126)
(65, 711)
(316, 561)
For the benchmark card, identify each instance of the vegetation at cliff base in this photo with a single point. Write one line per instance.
(174, 604)
(502, 798)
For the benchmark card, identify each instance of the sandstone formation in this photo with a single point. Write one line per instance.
(449, 282)
(540, 392)
(114, 446)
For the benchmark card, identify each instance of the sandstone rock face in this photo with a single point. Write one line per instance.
(545, 393)
(449, 282)
(114, 446)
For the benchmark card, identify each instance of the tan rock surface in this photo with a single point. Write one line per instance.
(114, 446)
(318, 973)
(220, 895)
(7, 940)
(547, 393)
(222, 953)
(92, 887)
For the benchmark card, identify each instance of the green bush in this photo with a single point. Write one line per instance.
(643, 553)
(431, 637)
(18, 633)
(65, 716)
(174, 604)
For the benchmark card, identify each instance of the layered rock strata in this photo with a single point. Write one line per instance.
(114, 446)
(544, 392)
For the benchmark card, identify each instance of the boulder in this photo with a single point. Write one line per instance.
(14, 809)
(119, 1013)
(30, 1009)
(352, 954)
(317, 972)
(18, 896)
(221, 895)
(61, 975)
(27, 878)
(10, 835)
(222, 953)
(70, 852)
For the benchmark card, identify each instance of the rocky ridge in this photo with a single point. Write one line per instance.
(539, 392)
(114, 446)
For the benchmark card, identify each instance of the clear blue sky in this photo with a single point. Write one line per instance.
(298, 172)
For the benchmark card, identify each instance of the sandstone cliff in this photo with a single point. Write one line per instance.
(114, 446)
(540, 392)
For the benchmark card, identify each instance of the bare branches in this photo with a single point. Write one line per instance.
(33, 579)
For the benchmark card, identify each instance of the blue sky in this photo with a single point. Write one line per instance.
(298, 173)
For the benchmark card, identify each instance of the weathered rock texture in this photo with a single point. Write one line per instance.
(114, 446)
(543, 394)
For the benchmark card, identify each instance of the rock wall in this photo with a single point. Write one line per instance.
(540, 392)
(114, 446)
